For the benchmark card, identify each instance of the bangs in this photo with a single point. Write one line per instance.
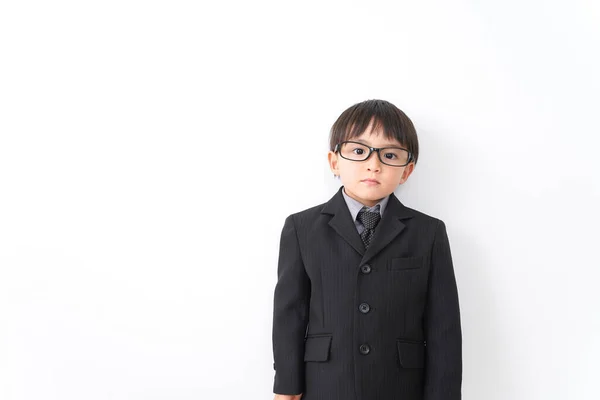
(357, 128)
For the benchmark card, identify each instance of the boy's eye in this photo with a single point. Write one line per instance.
(391, 156)
(360, 151)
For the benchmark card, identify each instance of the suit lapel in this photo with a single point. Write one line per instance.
(343, 224)
(388, 228)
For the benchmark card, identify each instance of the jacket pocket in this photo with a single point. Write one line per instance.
(411, 353)
(400, 263)
(316, 348)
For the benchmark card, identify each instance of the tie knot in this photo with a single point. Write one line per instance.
(369, 218)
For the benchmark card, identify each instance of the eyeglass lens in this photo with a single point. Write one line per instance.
(388, 155)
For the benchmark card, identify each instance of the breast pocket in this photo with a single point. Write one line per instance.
(406, 263)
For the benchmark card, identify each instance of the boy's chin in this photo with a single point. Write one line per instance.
(370, 192)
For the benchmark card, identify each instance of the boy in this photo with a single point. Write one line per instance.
(366, 304)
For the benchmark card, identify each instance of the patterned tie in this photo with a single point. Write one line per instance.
(369, 219)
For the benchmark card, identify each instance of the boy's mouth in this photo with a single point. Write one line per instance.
(370, 181)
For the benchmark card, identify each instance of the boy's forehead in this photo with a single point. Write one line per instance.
(376, 139)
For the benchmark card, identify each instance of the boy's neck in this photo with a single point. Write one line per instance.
(375, 202)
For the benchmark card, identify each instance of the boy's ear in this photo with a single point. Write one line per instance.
(333, 162)
(407, 171)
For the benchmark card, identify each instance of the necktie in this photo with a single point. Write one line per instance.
(369, 219)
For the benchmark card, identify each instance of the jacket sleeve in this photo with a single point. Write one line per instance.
(443, 374)
(290, 314)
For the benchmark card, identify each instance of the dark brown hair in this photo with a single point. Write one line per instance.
(395, 124)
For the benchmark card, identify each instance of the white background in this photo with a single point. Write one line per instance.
(150, 152)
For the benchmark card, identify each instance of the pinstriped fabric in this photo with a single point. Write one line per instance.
(397, 299)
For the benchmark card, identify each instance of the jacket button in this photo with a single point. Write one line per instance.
(364, 308)
(365, 269)
(364, 349)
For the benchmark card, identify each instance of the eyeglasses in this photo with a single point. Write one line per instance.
(355, 151)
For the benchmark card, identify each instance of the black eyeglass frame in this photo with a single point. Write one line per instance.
(371, 150)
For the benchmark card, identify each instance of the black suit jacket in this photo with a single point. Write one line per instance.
(380, 324)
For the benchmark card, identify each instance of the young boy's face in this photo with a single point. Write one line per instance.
(354, 174)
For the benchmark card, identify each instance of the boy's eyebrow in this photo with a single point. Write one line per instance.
(385, 145)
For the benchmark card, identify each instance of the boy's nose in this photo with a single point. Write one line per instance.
(373, 162)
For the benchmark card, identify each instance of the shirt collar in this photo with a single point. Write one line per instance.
(355, 206)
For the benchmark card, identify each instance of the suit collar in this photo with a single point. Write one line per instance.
(388, 228)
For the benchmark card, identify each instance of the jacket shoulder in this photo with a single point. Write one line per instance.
(307, 214)
(420, 217)
(308, 218)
